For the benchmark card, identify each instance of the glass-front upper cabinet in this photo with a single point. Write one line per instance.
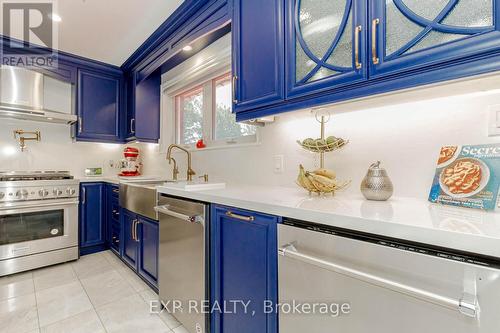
(408, 34)
(326, 44)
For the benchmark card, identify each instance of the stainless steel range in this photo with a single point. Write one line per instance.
(38, 219)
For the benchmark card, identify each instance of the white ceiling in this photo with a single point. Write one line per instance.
(109, 30)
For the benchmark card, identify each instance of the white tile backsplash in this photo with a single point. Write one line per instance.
(405, 136)
(56, 151)
(404, 131)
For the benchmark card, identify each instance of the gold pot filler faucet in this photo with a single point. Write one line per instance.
(20, 135)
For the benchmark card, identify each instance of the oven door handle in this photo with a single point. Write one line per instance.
(41, 205)
(468, 305)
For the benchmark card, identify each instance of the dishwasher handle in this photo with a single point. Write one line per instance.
(186, 218)
(467, 305)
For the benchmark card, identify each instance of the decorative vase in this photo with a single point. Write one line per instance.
(377, 185)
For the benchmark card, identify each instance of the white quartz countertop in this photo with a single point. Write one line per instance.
(117, 180)
(403, 218)
(110, 179)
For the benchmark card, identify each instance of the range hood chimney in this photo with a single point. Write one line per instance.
(22, 97)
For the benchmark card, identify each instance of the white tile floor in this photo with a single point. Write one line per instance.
(96, 294)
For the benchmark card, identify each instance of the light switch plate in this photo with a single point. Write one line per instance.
(494, 120)
(278, 163)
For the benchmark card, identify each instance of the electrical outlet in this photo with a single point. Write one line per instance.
(494, 120)
(278, 162)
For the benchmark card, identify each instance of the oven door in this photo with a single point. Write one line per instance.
(35, 227)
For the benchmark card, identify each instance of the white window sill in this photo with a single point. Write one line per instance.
(221, 147)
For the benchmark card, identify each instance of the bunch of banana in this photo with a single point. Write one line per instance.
(319, 181)
(304, 181)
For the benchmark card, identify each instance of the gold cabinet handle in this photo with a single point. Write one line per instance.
(240, 217)
(134, 230)
(116, 190)
(132, 125)
(235, 100)
(358, 30)
(375, 58)
(80, 125)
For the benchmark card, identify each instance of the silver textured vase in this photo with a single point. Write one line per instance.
(377, 185)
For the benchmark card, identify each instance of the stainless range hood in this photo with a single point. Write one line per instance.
(22, 94)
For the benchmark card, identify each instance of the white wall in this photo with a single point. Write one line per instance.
(56, 151)
(405, 131)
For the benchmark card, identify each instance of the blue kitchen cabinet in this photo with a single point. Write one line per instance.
(326, 45)
(92, 226)
(99, 106)
(408, 34)
(258, 53)
(149, 237)
(243, 267)
(143, 102)
(139, 245)
(129, 245)
(113, 226)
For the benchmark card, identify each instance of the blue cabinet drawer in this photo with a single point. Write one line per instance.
(114, 242)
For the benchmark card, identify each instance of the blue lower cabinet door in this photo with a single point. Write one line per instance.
(244, 269)
(130, 241)
(92, 217)
(148, 249)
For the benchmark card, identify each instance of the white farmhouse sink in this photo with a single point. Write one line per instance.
(195, 186)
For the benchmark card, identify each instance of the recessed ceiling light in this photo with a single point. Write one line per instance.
(54, 17)
(187, 48)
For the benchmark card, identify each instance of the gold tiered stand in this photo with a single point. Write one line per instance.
(323, 147)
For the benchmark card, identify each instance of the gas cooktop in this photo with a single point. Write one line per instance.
(11, 176)
(36, 185)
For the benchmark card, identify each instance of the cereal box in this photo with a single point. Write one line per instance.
(467, 176)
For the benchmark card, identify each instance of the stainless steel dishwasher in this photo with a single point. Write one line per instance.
(390, 285)
(182, 263)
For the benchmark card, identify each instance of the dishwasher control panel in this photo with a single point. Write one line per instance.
(398, 244)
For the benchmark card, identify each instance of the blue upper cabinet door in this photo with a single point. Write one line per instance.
(92, 217)
(130, 84)
(258, 53)
(146, 125)
(326, 44)
(410, 34)
(244, 267)
(98, 107)
(148, 249)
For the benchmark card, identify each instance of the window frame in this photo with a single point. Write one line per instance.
(208, 89)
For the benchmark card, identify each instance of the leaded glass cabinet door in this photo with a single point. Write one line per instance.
(326, 44)
(409, 34)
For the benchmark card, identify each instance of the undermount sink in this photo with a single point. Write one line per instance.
(195, 186)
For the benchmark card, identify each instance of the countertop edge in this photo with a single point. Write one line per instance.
(474, 244)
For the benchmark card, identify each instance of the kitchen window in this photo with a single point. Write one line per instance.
(204, 111)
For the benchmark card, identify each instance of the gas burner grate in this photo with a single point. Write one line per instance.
(13, 176)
